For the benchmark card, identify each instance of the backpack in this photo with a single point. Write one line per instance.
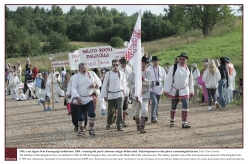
(175, 68)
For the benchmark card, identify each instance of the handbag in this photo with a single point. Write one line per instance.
(199, 80)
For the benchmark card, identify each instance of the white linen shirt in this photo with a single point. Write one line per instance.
(157, 74)
(182, 82)
(117, 85)
(127, 71)
(80, 86)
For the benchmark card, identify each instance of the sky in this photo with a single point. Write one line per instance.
(128, 9)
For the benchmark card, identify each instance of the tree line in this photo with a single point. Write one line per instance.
(34, 31)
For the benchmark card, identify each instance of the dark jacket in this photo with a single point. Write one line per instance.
(223, 69)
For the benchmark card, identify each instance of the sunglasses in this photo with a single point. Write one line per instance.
(115, 65)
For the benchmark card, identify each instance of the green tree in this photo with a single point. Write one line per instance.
(206, 17)
(116, 42)
(58, 42)
(59, 26)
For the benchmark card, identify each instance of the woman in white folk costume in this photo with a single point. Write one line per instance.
(83, 84)
(156, 89)
(127, 70)
(141, 111)
(13, 86)
(113, 91)
(56, 86)
(211, 77)
(46, 87)
(179, 87)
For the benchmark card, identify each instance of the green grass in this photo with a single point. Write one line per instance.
(229, 44)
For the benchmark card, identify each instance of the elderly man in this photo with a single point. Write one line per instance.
(141, 110)
(113, 90)
(179, 86)
(158, 75)
(81, 90)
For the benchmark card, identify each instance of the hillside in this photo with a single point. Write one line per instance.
(225, 41)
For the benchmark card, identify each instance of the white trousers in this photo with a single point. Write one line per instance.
(141, 110)
(14, 93)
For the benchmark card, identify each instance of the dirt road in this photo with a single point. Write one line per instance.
(28, 126)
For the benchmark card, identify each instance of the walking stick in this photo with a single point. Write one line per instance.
(51, 56)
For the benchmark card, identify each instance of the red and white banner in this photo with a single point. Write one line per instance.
(119, 53)
(97, 53)
(74, 60)
(102, 63)
(133, 55)
(60, 63)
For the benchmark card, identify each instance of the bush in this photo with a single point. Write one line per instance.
(116, 42)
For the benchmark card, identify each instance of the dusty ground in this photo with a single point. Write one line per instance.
(28, 126)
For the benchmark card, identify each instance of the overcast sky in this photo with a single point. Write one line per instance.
(128, 9)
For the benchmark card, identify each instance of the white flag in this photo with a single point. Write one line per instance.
(134, 55)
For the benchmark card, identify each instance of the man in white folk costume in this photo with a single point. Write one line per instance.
(113, 91)
(83, 84)
(156, 89)
(179, 87)
(127, 70)
(141, 110)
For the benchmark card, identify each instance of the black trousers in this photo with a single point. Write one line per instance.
(74, 118)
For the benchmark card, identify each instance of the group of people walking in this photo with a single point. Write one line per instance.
(115, 89)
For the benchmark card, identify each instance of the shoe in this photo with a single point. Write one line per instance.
(91, 132)
(120, 129)
(45, 109)
(124, 124)
(154, 121)
(103, 112)
(107, 127)
(209, 107)
(80, 133)
(172, 123)
(185, 125)
(12, 99)
(49, 108)
(126, 113)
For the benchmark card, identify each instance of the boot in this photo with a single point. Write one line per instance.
(172, 115)
(142, 129)
(142, 124)
(138, 127)
(137, 121)
(124, 119)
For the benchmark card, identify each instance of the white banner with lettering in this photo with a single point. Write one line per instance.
(96, 53)
(74, 59)
(60, 63)
(119, 53)
(102, 63)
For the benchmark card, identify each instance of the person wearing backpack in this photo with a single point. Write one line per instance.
(178, 85)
